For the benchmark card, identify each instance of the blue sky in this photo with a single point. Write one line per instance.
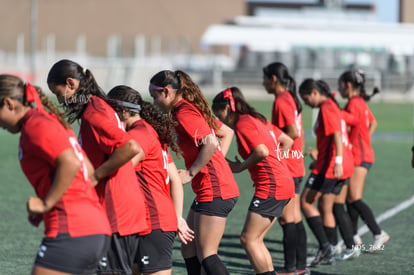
(387, 10)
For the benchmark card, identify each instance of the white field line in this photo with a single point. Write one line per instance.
(388, 214)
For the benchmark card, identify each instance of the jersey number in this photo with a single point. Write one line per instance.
(165, 158)
(344, 132)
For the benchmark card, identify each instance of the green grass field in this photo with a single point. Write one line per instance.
(389, 183)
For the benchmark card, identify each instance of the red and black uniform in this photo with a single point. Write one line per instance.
(101, 132)
(360, 137)
(78, 212)
(329, 122)
(215, 180)
(271, 176)
(285, 113)
(152, 172)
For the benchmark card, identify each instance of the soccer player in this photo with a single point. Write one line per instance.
(158, 177)
(76, 227)
(352, 87)
(261, 145)
(287, 116)
(211, 178)
(110, 150)
(330, 171)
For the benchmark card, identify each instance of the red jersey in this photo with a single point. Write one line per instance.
(360, 137)
(78, 212)
(101, 132)
(152, 174)
(329, 122)
(215, 180)
(271, 176)
(285, 113)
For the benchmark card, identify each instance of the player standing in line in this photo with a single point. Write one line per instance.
(56, 167)
(110, 150)
(158, 177)
(332, 168)
(261, 145)
(212, 180)
(352, 86)
(287, 116)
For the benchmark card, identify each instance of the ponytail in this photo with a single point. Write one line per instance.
(281, 72)
(75, 106)
(54, 110)
(189, 91)
(325, 90)
(357, 80)
(292, 91)
(221, 100)
(123, 98)
(13, 87)
(321, 86)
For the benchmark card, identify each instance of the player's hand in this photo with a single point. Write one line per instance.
(184, 232)
(185, 176)
(338, 171)
(93, 179)
(236, 165)
(312, 152)
(36, 206)
(35, 219)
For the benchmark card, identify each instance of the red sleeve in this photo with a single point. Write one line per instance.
(248, 133)
(371, 117)
(107, 129)
(219, 124)
(284, 113)
(277, 131)
(331, 120)
(349, 118)
(193, 123)
(141, 139)
(48, 141)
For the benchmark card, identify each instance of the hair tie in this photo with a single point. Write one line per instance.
(32, 97)
(84, 70)
(228, 94)
(359, 78)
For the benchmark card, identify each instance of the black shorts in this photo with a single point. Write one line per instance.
(267, 207)
(120, 256)
(217, 207)
(297, 181)
(76, 255)
(155, 251)
(324, 185)
(366, 165)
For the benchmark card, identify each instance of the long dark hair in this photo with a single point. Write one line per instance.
(188, 89)
(162, 124)
(240, 104)
(357, 80)
(13, 87)
(321, 86)
(281, 72)
(58, 75)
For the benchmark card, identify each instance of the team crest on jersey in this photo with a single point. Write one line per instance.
(20, 153)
